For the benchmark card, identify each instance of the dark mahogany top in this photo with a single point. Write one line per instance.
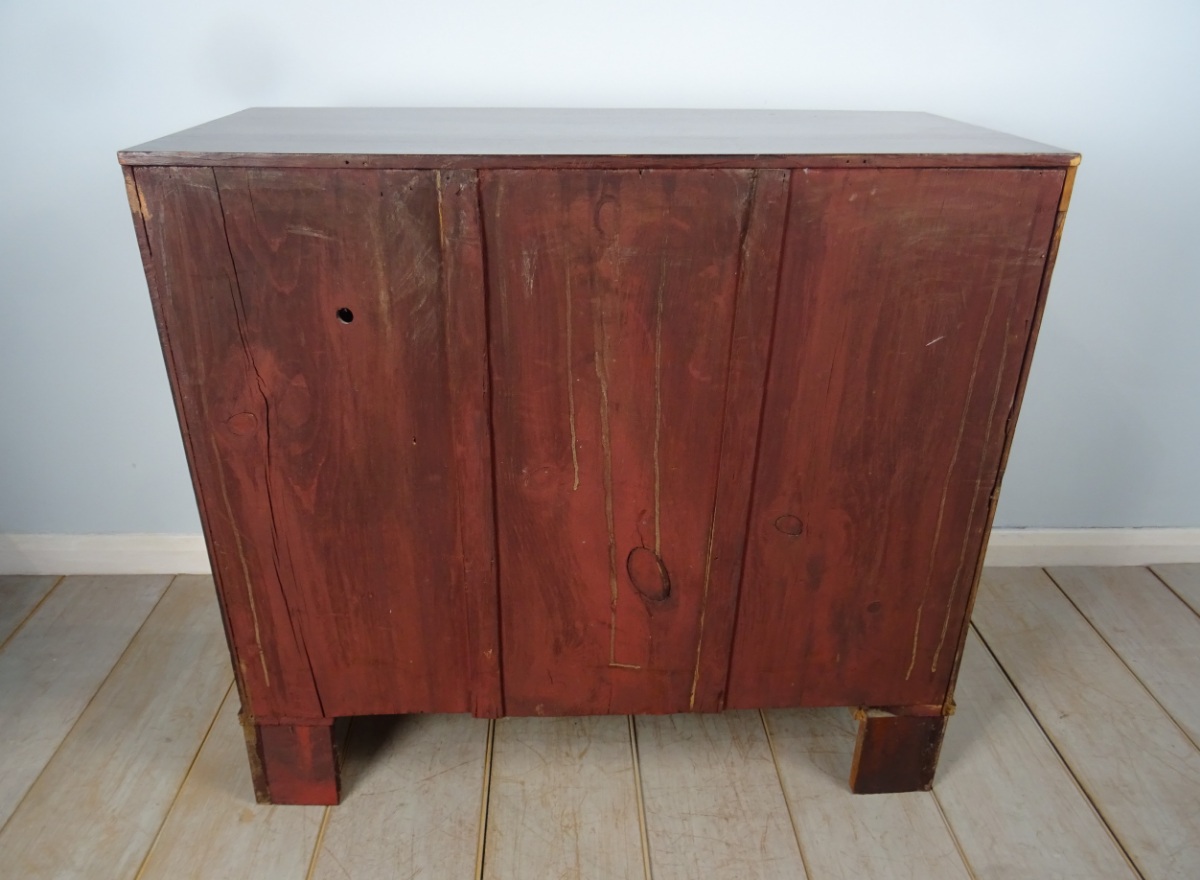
(316, 137)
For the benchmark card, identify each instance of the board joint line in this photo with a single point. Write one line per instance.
(88, 705)
(1132, 672)
(787, 801)
(175, 799)
(1080, 787)
(641, 799)
(485, 796)
(32, 611)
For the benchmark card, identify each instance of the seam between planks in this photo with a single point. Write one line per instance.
(32, 611)
(740, 570)
(88, 705)
(174, 800)
(641, 799)
(954, 837)
(787, 802)
(485, 796)
(1079, 786)
(1132, 672)
(317, 844)
(1174, 592)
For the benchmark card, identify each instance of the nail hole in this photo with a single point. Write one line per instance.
(345, 315)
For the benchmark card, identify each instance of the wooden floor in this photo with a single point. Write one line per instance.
(1073, 755)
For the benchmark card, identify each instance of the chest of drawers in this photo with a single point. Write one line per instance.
(574, 412)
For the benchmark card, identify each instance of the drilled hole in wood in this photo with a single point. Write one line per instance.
(345, 315)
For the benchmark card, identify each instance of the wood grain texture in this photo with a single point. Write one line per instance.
(612, 299)
(1011, 802)
(335, 501)
(714, 807)
(413, 786)
(754, 315)
(1184, 581)
(216, 830)
(19, 596)
(843, 836)
(334, 137)
(51, 669)
(893, 371)
(1148, 626)
(99, 802)
(563, 801)
(192, 287)
(1137, 766)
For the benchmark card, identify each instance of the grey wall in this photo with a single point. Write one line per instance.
(87, 435)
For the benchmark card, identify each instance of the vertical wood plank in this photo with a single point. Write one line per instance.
(1149, 628)
(50, 670)
(19, 595)
(754, 315)
(893, 373)
(1013, 805)
(469, 388)
(190, 268)
(340, 327)
(563, 801)
(611, 297)
(1184, 580)
(1137, 766)
(846, 836)
(714, 805)
(411, 808)
(215, 829)
(94, 811)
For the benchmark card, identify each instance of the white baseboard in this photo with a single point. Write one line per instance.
(1042, 547)
(103, 554)
(185, 554)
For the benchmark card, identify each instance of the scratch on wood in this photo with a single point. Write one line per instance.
(712, 528)
(571, 386)
(658, 323)
(437, 184)
(309, 232)
(962, 427)
(987, 439)
(601, 362)
(932, 341)
(241, 551)
(615, 665)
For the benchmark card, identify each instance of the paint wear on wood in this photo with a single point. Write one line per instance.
(596, 435)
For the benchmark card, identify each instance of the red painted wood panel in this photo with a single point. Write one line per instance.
(611, 296)
(309, 317)
(905, 306)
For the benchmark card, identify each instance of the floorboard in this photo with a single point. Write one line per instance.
(563, 801)
(846, 836)
(412, 791)
(1149, 627)
(713, 803)
(1015, 808)
(1184, 581)
(98, 804)
(1130, 757)
(19, 595)
(1072, 755)
(51, 668)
